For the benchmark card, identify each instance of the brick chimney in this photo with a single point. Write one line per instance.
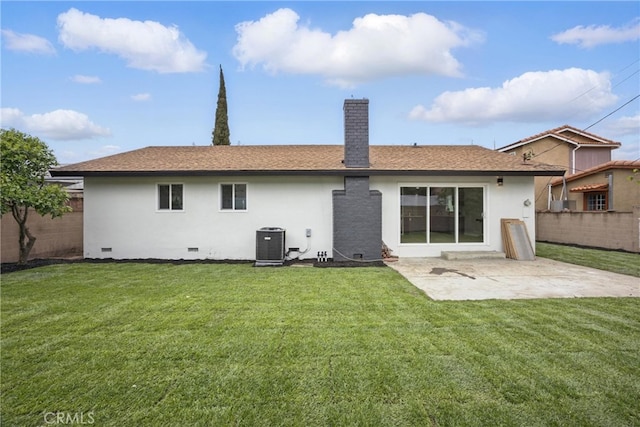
(357, 210)
(356, 133)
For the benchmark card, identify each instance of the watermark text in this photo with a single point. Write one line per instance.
(69, 418)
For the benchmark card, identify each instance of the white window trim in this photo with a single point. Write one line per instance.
(157, 189)
(233, 198)
(456, 186)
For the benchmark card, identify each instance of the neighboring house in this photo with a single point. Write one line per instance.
(199, 202)
(72, 184)
(605, 187)
(598, 207)
(565, 146)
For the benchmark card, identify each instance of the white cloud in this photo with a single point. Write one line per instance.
(141, 97)
(10, 117)
(376, 46)
(27, 43)
(86, 80)
(59, 124)
(591, 36)
(628, 125)
(146, 45)
(533, 96)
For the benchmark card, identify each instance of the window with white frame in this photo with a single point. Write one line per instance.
(233, 197)
(595, 201)
(170, 197)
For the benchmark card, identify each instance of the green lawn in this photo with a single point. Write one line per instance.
(615, 261)
(203, 344)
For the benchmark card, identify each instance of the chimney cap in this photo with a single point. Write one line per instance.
(356, 101)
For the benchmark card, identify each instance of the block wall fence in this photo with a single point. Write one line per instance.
(607, 230)
(58, 237)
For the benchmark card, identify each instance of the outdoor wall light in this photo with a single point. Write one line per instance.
(527, 202)
(500, 181)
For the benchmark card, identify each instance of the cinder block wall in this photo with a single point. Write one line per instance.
(608, 230)
(56, 237)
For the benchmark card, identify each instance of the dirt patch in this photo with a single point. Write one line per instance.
(34, 263)
(350, 264)
(11, 267)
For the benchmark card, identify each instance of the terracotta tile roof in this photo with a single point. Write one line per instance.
(613, 164)
(306, 159)
(589, 187)
(564, 132)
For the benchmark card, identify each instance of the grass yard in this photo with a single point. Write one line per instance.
(204, 344)
(615, 261)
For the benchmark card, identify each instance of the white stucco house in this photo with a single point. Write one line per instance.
(207, 202)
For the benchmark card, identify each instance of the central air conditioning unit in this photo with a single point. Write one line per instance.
(560, 205)
(269, 246)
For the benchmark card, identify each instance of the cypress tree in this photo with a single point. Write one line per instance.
(220, 134)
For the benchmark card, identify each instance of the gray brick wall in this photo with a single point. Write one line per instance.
(357, 221)
(356, 133)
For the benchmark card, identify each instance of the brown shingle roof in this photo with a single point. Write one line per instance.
(564, 132)
(306, 159)
(613, 164)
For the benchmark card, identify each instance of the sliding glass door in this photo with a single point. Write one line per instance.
(413, 215)
(471, 214)
(441, 214)
(442, 219)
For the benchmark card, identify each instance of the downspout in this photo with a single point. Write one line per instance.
(564, 191)
(610, 196)
(573, 160)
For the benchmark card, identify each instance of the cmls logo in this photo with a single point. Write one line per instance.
(78, 418)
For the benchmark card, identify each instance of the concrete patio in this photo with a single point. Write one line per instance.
(501, 278)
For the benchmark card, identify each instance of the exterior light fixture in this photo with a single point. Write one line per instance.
(500, 181)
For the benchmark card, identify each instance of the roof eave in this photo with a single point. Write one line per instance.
(607, 145)
(529, 141)
(314, 172)
(603, 144)
(595, 170)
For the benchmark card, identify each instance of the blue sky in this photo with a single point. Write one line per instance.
(98, 78)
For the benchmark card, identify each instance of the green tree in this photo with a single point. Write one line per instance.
(25, 161)
(220, 134)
